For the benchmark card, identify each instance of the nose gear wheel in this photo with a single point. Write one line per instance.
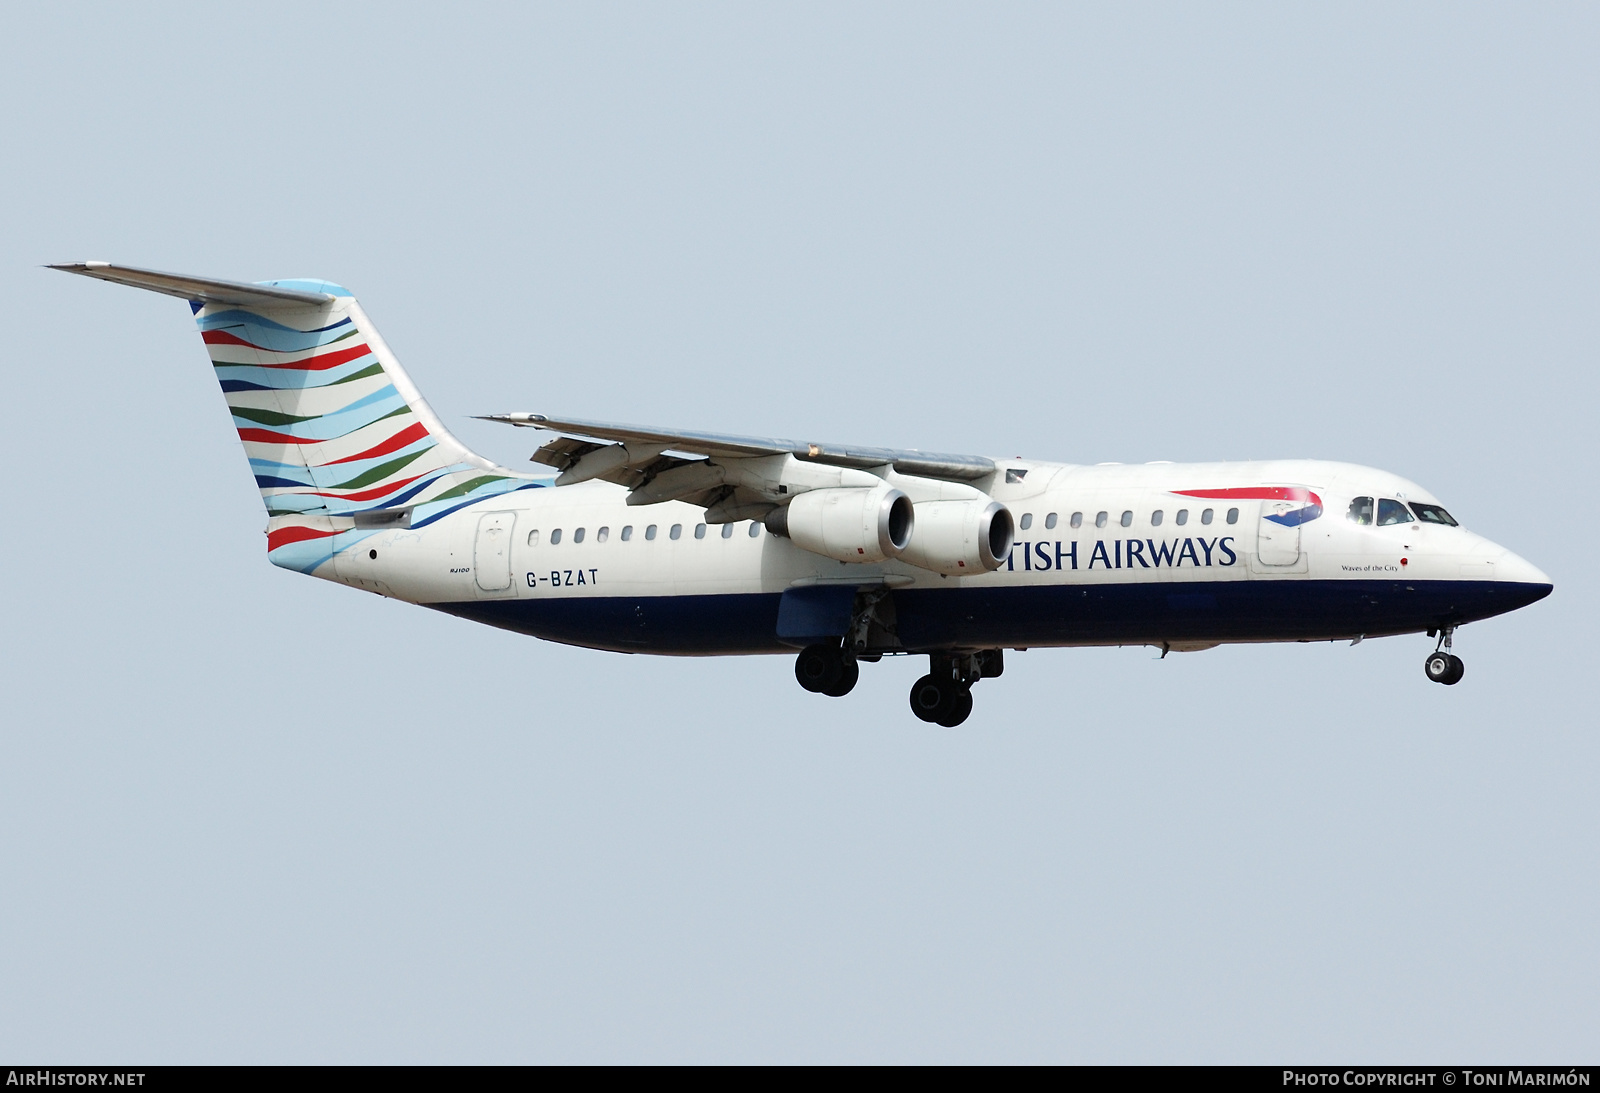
(1443, 666)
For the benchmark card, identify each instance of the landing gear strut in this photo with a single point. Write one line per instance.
(1443, 666)
(944, 695)
(832, 668)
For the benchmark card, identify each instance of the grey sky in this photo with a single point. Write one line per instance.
(253, 817)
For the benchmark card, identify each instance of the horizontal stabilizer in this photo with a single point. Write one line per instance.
(205, 289)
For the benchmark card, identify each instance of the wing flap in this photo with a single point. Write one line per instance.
(636, 476)
(563, 452)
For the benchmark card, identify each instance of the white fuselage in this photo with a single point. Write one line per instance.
(585, 543)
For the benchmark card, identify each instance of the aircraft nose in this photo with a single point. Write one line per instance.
(1512, 567)
(1517, 582)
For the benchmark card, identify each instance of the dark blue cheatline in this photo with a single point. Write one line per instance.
(932, 619)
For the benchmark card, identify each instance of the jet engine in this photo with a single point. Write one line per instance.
(960, 537)
(851, 524)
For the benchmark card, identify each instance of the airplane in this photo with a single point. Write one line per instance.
(650, 540)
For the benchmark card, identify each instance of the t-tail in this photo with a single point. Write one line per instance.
(341, 443)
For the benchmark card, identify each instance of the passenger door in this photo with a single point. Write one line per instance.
(1278, 543)
(491, 551)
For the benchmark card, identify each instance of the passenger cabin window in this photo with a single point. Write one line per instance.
(1050, 521)
(533, 537)
(1127, 519)
(1433, 514)
(1099, 519)
(1027, 521)
(1077, 520)
(555, 536)
(699, 531)
(1183, 517)
(1391, 512)
(755, 529)
(1205, 516)
(602, 535)
(627, 532)
(1360, 511)
(577, 536)
(727, 531)
(650, 532)
(676, 532)
(1155, 519)
(1233, 516)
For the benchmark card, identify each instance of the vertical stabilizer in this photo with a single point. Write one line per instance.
(339, 439)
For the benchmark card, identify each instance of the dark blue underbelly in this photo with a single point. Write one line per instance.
(936, 618)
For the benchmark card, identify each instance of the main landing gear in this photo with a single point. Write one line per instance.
(942, 697)
(826, 670)
(1443, 666)
(831, 668)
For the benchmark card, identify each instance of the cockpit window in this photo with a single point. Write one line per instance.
(1392, 512)
(1361, 511)
(1433, 514)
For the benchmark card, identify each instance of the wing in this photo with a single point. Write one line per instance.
(764, 478)
(722, 446)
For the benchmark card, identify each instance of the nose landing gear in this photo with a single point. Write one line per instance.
(1443, 666)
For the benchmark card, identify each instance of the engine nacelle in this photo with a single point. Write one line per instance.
(849, 524)
(960, 537)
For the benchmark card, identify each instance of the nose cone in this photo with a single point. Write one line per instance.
(1515, 582)
(1511, 567)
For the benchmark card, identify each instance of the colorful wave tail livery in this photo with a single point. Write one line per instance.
(339, 439)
